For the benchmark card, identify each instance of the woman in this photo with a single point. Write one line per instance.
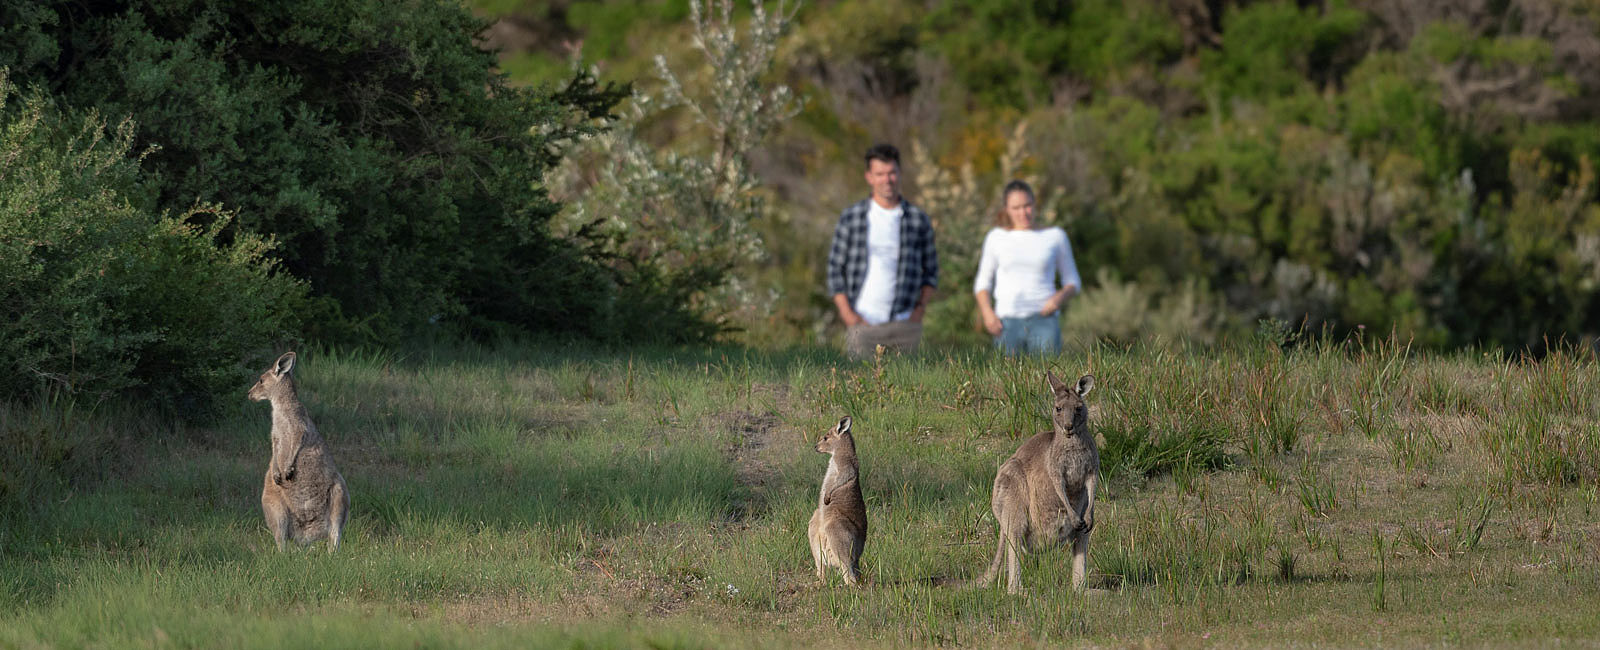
(1025, 277)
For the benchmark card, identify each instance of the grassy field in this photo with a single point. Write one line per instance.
(546, 496)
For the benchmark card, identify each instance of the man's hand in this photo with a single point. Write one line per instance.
(847, 313)
(922, 304)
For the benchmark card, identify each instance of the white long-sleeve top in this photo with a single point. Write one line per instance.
(1021, 269)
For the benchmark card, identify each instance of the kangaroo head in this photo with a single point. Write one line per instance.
(837, 438)
(274, 379)
(1070, 413)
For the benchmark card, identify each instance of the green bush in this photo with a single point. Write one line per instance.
(401, 176)
(100, 296)
(1346, 167)
(1276, 48)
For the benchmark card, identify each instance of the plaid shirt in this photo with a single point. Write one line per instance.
(918, 265)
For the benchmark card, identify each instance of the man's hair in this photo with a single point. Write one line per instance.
(885, 152)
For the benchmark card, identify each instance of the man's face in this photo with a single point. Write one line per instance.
(884, 177)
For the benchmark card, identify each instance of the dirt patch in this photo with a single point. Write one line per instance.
(756, 434)
(751, 453)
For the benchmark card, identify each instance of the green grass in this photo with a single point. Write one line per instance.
(548, 496)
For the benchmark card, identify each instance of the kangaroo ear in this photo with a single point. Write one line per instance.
(1055, 383)
(844, 425)
(284, 364)
(1085, 384)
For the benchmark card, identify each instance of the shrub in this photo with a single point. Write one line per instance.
(400, 174)
(677, 224)
(98, 295)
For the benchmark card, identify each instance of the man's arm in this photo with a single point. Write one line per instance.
(922, 304)
(838, 253)
(846, 312)
(930, 272)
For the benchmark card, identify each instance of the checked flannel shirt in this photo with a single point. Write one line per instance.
(918, 265)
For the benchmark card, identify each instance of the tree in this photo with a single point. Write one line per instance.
(677, 222)
(402, 175)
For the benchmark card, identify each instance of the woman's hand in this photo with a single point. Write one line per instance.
(1053, 303)
(992, 323)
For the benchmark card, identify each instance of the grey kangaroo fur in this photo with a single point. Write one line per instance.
(838, 529)
(303, 496)
(1044, 494)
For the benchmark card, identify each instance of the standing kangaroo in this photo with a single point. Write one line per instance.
(1044, 494)
(303, 496)
(838, 529)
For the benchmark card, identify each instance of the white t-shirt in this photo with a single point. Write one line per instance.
(883, 265)
(1020, 269)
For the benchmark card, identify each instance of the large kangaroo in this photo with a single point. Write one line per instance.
(303, 496)
(1044, 494)
(838, 529)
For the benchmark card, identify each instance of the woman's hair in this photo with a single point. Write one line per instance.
(1002, 219)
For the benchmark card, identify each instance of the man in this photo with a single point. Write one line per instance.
(882, 267)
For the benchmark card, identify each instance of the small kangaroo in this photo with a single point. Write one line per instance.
(838, 529)
(1044, 494)
(303, 496)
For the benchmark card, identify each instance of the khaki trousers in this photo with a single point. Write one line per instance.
(862, 341)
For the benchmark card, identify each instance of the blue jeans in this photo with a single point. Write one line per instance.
(1032, 335)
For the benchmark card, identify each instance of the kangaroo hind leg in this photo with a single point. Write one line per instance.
(1080, 557)
(278, 518)
(845, 548)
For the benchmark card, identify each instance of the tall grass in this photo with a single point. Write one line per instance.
(555, 496)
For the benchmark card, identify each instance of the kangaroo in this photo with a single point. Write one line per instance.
(838, 529)
(303, 496)
(1044, 494)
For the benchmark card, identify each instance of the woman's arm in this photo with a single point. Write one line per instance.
(1067, 272)
(983, 287)
(991, 322)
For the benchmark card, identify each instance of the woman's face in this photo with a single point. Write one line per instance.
(1019, 209)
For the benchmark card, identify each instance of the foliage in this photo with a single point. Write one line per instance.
(677, 224)
(401, 176)
(1342, 166)
(102, 296)
(1008, 70)
(1275, 49)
